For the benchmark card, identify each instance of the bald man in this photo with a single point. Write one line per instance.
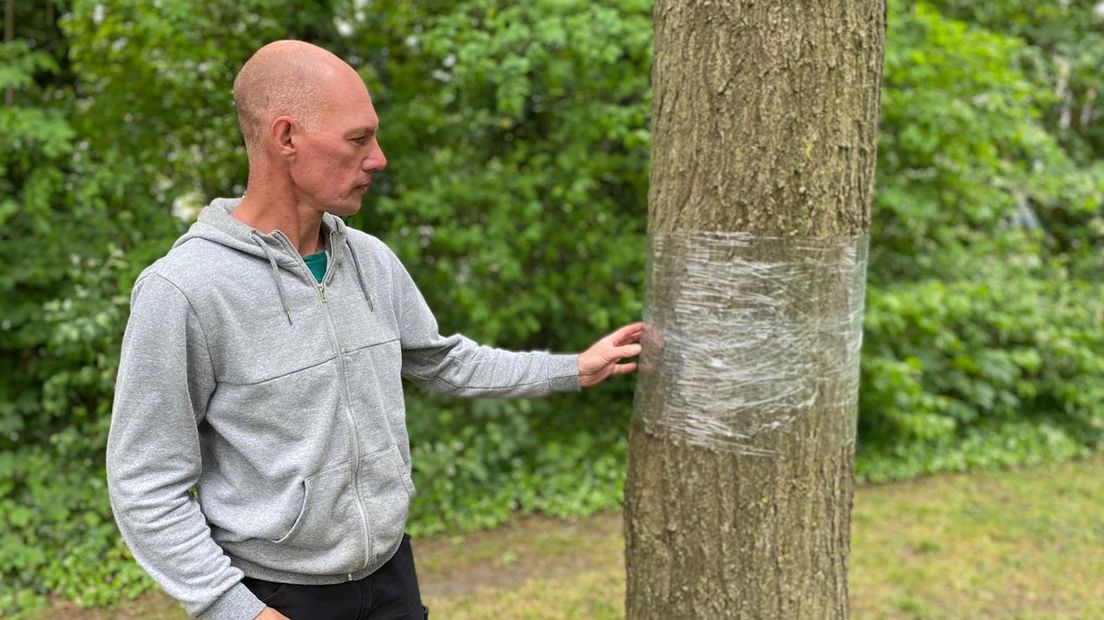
(258, 462)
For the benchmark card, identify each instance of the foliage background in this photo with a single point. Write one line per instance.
(518, 140)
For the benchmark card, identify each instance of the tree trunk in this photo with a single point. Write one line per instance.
(764, 121)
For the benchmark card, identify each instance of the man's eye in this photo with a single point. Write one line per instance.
(358, 141)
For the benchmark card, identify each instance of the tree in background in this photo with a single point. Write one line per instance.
(765, 121)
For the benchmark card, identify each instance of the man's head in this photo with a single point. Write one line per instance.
(308, 120)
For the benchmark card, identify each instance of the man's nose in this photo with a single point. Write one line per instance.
(376, 160)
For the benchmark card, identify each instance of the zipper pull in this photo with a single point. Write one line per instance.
(322, 289)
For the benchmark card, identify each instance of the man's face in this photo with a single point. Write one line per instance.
(333, 164)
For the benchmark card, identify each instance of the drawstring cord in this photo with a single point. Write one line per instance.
(360, 276)
(275, 272)
(280, 286)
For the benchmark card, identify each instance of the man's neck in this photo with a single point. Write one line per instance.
(302, 225)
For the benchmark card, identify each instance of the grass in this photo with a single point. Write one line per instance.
(1025, 543)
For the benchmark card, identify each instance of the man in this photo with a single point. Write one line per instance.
(262, 367)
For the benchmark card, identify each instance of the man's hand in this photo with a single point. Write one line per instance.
(269, 613)
(601, 359)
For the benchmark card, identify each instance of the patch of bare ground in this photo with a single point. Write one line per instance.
(533, 547)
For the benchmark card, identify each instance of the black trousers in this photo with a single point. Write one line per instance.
(390, 593)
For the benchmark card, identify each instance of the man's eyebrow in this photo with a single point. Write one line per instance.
(366, 130)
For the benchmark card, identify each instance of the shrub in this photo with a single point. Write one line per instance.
(1000, 368)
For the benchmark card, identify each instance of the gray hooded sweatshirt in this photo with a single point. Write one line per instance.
(279, 400)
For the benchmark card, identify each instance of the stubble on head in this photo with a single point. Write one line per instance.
(283, 78)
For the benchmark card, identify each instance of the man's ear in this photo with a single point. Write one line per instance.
(281, 133)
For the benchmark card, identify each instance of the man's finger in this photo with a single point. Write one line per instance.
(628, 333)
(621, 369)
(631, 350)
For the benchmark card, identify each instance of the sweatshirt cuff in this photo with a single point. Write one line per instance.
(563, 373)
(237, 603)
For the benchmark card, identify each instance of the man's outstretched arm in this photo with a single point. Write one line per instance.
(458, 366)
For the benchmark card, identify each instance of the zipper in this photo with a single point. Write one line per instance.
(339, 353)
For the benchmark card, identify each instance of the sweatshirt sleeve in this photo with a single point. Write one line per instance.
(458, 366)
(153, 456)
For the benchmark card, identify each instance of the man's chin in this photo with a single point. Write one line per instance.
(352, 207)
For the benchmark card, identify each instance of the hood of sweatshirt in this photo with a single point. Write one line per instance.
(215, 224)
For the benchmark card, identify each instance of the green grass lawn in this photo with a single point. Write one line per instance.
(1025, 543)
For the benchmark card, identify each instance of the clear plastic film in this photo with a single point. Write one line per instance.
(745, 333)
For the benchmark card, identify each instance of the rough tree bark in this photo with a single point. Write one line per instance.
(764, 121)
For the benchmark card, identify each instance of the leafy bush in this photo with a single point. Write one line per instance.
(999, 369)
(965, 156)
(517, 199)
(502, 463)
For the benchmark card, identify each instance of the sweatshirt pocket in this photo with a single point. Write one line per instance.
(327, 516)
(385, 490)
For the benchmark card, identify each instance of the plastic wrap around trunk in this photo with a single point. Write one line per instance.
(745, 333)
